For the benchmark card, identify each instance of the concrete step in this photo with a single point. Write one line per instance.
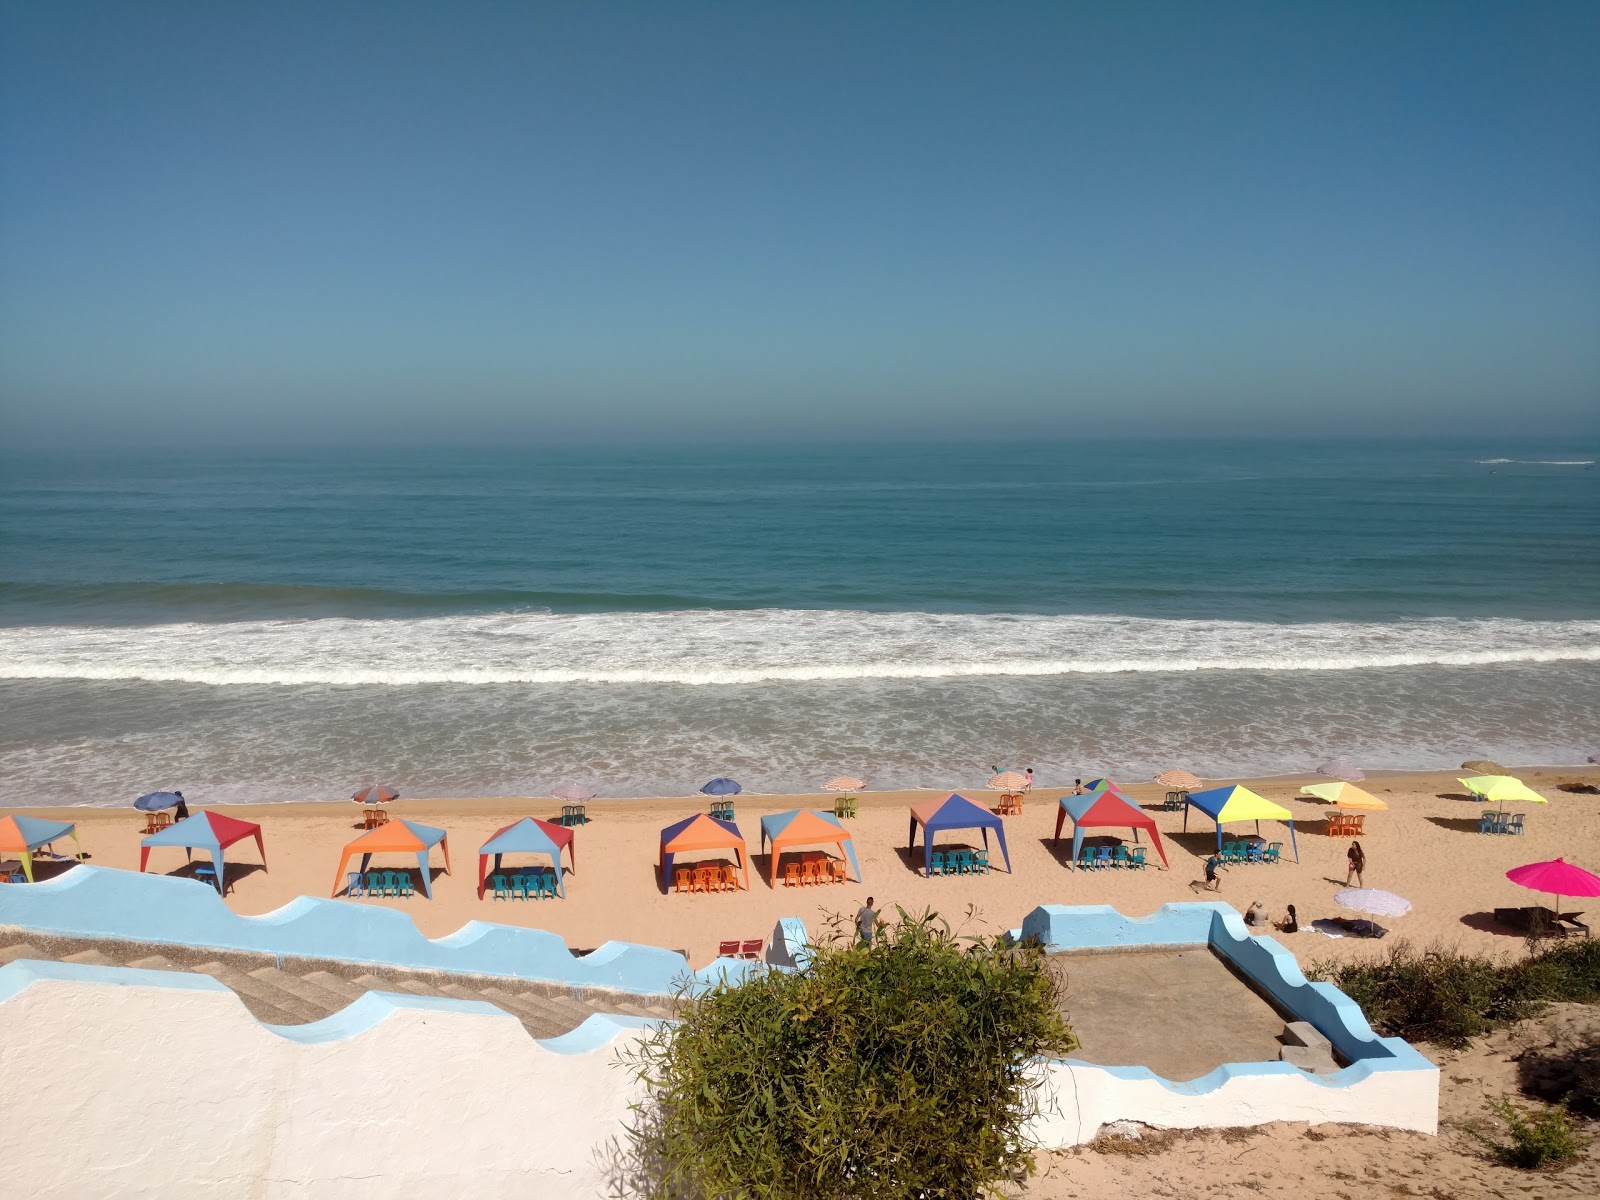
(1304, 1033)
(324, 1001)
(331, 983)
(373, 983)
(10, 954)
(155, 962)
(539, 1019)
(1308, 1058)
(91, 958)
(270, 1004)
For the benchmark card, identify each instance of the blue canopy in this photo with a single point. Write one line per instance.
(721, 786)
(953, 812)
(1226, 805)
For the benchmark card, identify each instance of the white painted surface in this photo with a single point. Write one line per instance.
(156, 1091)
(1082, 1097)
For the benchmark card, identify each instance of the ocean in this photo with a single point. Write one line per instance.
(292, 626)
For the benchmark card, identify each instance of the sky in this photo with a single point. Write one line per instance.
(507, 223)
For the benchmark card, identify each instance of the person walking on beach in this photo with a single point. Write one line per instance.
(866, 922)
(1357, 858)
(1213, 865)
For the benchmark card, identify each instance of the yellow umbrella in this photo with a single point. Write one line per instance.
(1498, 789)
(1345, 795)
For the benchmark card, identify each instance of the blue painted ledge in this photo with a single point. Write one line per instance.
(100, 903)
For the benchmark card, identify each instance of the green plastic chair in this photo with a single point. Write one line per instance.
(980, 861)
(1086, 859)
(1274, 852)
(936, 862)
(1120, 858)
(1136, 858)
(549, 885)
(502, 889)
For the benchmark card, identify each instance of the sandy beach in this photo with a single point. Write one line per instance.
(1425, 847)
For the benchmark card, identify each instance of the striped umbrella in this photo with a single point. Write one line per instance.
(1339, 769)
(843, 783)
(1180, 779)
(574, 793)
(1007, 781)
(375, 794)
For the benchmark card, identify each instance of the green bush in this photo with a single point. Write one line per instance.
(896, 1070)
(1549, 1136)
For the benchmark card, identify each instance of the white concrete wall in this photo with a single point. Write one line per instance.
(1081, 1097)
(148, 1089)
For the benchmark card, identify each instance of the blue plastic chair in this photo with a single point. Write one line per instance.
(1274, 852)
(354, 888)
(1515, 824)
(1103, 859)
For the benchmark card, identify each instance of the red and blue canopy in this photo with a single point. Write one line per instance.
(1108, 807)
(208, 831)
(955, 811)
(528, 836)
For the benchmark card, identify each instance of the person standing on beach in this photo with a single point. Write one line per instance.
(866, 922)
(1357, 858)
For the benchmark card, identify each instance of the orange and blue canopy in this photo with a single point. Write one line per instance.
(806, 827)
(1225, 805)
(528, 836)
(397, 837)
(955, 811)
(697, 835)
(23, 835)
(208, 831)
(1105, 808)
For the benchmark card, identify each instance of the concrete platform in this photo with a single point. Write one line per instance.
(1180, 1013)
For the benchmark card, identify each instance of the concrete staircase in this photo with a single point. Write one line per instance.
(289, 991)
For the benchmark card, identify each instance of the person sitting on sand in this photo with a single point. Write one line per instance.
(1290, 923)
(1356, 857)
(1256, 915)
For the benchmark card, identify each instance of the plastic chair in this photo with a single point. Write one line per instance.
(683, 879)
(980, 861)
(791, 874)
(1515, 824)
(502, 889)
(1086, 858)
(936, 862)
(837, 871)
(816, 872)
(1274, 852)
(1121, 858)
(353, 884)
(1103, 859)
(752, 948)
(407, 888)
(1136, 858)
(1486, 821)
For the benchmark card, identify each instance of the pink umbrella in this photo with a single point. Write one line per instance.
(375, 794)
(1560, 878)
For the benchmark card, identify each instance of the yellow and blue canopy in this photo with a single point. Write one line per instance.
(1226, 805)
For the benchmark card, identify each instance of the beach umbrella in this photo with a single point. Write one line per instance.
(1345, 795)
(1374, 901)
(376, 794)
(1339, 769)
(721, 786)
(1497, 789)
(843, 783)
(1484, 766)
(156, 801)
(1181, 780)
(1007, 781)
(573, 793)
(1558, 877)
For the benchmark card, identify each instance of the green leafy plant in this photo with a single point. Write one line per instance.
(1443, 996)
(1546, 1137)
(899, 1069)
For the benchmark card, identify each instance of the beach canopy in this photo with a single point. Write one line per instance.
(376, 794)
(207, 831)
(697, 835)
(396, 837)
(1106, 808)
(721, 786)
(1345, 795)
(1339, 769)
(1180, 779)
(528, 836)
(23, 835)
(156, 801)
(1501, 789)
(1558, 877)
(843, 783)
(953, 812)
(806, 827)
(1226, 805)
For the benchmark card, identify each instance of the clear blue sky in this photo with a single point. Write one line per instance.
(472, 222)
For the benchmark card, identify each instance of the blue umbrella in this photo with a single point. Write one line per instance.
(156, 801)
(721, 786)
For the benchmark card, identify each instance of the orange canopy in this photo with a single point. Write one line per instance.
(396, 837)
(791, 830)
(700, 833)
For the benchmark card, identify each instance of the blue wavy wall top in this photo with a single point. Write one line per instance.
(100, 903)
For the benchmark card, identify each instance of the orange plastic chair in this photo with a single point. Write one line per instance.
(813, 872)
(683, 879)
(791, 874)
(730, 879)
(836, 869)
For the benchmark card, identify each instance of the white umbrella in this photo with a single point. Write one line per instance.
(1007, 781)
(843, 783)
(574, 793)
(1375, 901)
(1339, 769)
